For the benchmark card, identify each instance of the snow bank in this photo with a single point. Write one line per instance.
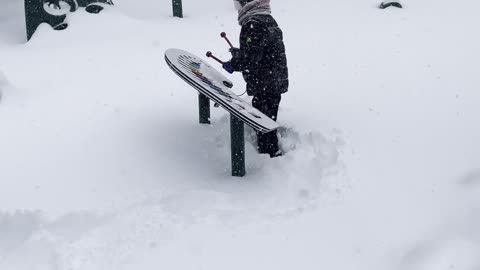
(453, 245)
(381, 163)
(12, 22)
(28, 234)
(16, 229)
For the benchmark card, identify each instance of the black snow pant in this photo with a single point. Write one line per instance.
(268, 104)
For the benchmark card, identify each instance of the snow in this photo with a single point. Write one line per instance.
(3, 83)
(104, 166)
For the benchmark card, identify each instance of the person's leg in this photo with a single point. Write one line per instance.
(258, 103)
(268, 105)
(271, 139)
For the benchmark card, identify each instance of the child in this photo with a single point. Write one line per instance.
(261, 59)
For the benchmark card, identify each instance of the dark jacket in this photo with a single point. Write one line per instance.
(261, 57)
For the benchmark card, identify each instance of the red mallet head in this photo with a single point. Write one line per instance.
(223, 35)
(209, 54)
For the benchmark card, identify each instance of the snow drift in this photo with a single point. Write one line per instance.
(104, 166)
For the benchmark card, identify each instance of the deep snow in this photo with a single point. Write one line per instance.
(103, 164)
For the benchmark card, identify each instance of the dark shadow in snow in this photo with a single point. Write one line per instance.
(471, 179)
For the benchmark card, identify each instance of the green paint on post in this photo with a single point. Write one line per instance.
(204, 109)
(177, 8)
(238, 146)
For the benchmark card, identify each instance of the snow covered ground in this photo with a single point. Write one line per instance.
(103, 164)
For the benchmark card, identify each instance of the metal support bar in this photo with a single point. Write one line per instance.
(177, 8)
(238, 146)
(204, 109)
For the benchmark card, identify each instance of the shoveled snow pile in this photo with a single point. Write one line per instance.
(103, 164)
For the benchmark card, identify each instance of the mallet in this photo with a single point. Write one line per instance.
(226, 83)
(209, 54)
(224, 35)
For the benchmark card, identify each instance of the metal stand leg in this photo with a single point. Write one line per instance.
(177, 8)
(238, 146)
(204, 109)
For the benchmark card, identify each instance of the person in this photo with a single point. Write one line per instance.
(261, 59)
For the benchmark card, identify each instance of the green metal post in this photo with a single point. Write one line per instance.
(35, 15)
(32, 12)
(204, 109)
(177, 8)
(237, 137)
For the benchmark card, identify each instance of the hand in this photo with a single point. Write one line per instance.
(228, 67)
(235, 52)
